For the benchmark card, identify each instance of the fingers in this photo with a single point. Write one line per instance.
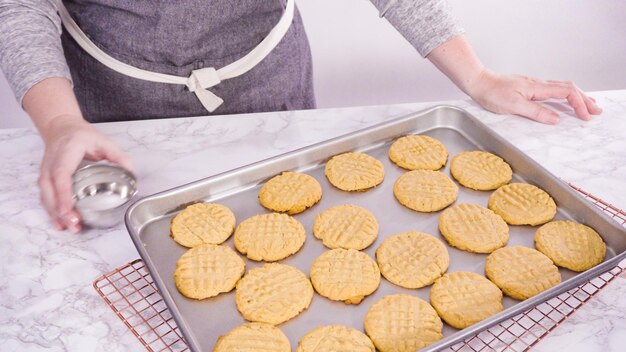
(583, 105)
(562, 90)
(535, 111)
(575, 99)
(72, 221)
(69, 219)
(64, 165)
(517, 94)
(592, 106)
(64, 152)
(49, 200)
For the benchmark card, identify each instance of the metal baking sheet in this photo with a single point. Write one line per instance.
(202, 322)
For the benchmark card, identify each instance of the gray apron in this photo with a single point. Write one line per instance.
(176, 37)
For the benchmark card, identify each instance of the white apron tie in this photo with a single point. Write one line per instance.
(199, 81)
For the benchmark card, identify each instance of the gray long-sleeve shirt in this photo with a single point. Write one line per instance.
(31, 50)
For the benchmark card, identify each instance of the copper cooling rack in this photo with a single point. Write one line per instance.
(133, 296)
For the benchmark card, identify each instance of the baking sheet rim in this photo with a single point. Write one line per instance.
(451, 340)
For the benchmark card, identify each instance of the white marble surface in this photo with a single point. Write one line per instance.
(598, 326)
(47, 302)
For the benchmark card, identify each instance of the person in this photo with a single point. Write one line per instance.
(129, 59)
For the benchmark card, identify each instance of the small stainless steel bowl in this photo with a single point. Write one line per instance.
(102, 192)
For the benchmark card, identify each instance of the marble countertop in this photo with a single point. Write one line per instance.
(47, 302)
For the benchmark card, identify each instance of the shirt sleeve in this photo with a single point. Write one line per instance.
(426, 24)
(30, 43)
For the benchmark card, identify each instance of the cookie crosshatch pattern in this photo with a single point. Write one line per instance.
(253, 337)
(418, 152)
(335, 338)
(425, 190)
(273, 293)
(290, 192)
(522, 204)
(473, 228)
(346, 226)
(480, 170)
(345, 275)
(202, 223)
(131, 293)
(207, 270)
(269, 237)
(354, 172)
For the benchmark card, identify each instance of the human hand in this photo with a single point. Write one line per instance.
(516, 94)
(506, 94)
(68, 140)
